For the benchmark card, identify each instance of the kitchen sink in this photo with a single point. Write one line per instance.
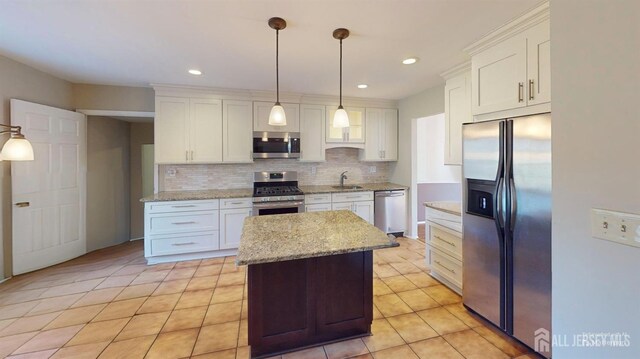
(347, 187)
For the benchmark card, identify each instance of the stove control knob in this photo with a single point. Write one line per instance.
(265, 199)
(291, 198)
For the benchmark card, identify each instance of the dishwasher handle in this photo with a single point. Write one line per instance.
(389, 194)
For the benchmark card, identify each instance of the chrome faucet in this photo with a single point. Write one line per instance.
(343, 177)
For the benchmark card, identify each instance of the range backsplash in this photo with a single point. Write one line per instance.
(197, 177)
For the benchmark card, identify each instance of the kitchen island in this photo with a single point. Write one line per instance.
(310, 278)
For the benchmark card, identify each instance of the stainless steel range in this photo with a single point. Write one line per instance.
(276, 193)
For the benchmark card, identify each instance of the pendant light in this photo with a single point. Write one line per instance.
(340, 118)
(277, 116)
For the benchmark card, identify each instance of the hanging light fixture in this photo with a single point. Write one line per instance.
(277, 116)
(17, 148)
(340, 118)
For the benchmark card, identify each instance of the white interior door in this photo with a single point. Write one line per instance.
(49, 193)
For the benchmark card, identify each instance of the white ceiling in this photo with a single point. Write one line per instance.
(135, 42)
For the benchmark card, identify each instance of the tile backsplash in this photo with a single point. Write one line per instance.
(197, 177)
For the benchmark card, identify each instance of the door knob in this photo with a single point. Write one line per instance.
(22, 204)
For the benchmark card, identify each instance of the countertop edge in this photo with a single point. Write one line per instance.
(446, 210)
(313, 255)
(197, 195)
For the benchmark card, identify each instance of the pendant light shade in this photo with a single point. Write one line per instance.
(277, 116)
(17, 148)
(340, 118)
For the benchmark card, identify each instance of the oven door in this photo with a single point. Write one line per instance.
(267, 208)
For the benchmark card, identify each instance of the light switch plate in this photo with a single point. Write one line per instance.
(615, 226)
(171, 172)
(372, 169)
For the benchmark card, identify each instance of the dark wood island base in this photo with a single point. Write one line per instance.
(306, 302)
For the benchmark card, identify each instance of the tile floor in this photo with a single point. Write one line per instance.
(109, 304)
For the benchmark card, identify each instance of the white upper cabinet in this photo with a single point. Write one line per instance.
(312, 132)
(354, 134)
(237, 132)
(261, 111)
(171, 130)
(381, 135)
(188, 130)
(510, 68)
(539, 64)
(205, 130)
(457, 110)
(499, 76)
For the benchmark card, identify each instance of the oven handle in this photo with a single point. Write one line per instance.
(278, 204)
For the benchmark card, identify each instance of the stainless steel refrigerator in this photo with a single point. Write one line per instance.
(507, 225)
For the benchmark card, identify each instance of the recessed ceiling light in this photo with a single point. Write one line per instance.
(363, 86)
(410, 60)
(195, 72)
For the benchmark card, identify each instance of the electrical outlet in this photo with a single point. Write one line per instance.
(372, 169)
(616, 226)
(314, 170)
(171, 172)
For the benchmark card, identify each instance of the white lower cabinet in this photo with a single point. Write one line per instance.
(360, 203)
(444, 255)
(184, 230)
(317, 207)
(231, 221)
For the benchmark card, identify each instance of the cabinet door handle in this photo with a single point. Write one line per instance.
(191, 155)
(384, 154)
(445, 241)
(445, 267)
(186, 155)
(23, 204)
(530, 89)
(183, 244)
(520, 89)
(235, 203)
(184, 206)
(190, 222)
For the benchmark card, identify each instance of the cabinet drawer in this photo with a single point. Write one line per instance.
(182, 206)
(183, 222)
(447, 242)
(228, 203)
(188, 243)
(446, 266)
(317, 207)
(352, 196)
(317, 198)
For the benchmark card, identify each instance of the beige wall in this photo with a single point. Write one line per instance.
(141, 134)
(595, 67)
(116, 98)
(426, 103)
(25, 83)
(108, 182)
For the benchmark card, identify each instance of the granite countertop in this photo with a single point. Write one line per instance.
(385, 186)
(445, 206)
(197, 195)
(248, 192)
(282, 237)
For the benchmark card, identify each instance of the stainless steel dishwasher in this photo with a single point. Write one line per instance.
(391, 211)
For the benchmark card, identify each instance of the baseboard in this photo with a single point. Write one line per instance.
(135, 239)
(4, 280)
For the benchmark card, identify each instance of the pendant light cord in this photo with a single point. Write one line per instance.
(340, 73)
(277, 71)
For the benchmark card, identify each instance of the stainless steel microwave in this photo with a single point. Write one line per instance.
(276, 145)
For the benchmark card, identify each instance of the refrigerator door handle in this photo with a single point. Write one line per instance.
(514, 204)
(499, 202)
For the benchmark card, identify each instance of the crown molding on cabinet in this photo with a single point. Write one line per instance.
(533, 17)
(457, 70)
(258, 95)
